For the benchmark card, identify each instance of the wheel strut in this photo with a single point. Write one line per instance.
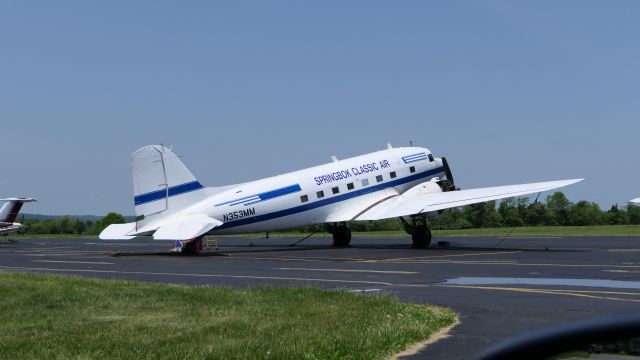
(418, 229)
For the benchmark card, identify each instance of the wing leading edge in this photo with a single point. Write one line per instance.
(415, 202)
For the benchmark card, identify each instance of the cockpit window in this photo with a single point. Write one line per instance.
(431, 159)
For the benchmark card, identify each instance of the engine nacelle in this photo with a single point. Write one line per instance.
(427, 187)
(432, 186)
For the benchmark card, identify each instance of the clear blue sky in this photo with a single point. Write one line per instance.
(508, 91)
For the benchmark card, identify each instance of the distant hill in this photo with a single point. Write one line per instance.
(83, 218)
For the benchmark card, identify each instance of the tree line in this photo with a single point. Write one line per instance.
(70, 226)
(557, 210)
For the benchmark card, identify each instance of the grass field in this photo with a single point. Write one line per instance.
(601, 230)
(63, 317)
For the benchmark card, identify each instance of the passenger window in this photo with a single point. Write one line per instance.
(412, 169)
(392, 174)
(365, 182)
(379, 178)
(304, 198)
(320, 194)
(335, 190)
(350, 186)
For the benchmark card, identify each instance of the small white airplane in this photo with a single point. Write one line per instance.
(171, 204)
(9, 212)
(635, 201)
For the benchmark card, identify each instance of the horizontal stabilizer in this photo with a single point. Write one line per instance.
(427, 202)
(185, 228)
(19, 199)
(118, 232)
(11, 207)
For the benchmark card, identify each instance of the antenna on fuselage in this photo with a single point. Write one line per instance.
(334, 158)
(410, 142)
(389, 146)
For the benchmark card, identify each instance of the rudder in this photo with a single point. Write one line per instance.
(161, 182)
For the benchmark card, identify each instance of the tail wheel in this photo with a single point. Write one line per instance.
(341, 236)
(421, 237)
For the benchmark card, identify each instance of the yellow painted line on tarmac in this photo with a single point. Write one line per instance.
(535, 237)
(18, 268)
(281, 259)
(355, 271)
(463, 262)
(544, 291)
(454, 255)
(321, 258)
(514, 263)
(298, 258)
(601, 292)
(61, 252)
(74, 262)
(523, 290)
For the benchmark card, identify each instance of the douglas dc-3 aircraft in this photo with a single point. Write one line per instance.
(408, 183)
(635, 201)
(9, 212)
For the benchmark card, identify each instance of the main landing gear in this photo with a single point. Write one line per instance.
(341, 234)
(418, 229)
(188, 247)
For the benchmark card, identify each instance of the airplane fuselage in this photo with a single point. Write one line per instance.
(171, 204)
(320, 194)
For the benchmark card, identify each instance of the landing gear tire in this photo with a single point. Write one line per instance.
(341, 236)
(421, 237)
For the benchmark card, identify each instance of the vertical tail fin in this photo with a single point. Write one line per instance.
(161, 182)
(11, 208)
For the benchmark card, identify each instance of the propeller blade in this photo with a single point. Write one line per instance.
(447, 170)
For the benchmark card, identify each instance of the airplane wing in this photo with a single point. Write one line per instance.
(185, 228)
(179, 228)
(415, 201)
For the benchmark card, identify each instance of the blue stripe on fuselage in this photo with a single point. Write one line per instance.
(280, 192)
(328, 201)
(248, 200)
(173, 191)
(413, 158)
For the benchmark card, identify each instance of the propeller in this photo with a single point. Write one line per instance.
(447, 170)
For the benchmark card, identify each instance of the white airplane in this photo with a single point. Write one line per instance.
(9, 212)
(171, 204)
(635, 201)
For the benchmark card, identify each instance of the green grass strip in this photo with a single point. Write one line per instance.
(65, 317)
(598, 230)
(531, 231)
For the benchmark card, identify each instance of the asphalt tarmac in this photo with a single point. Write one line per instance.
(500, 288)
